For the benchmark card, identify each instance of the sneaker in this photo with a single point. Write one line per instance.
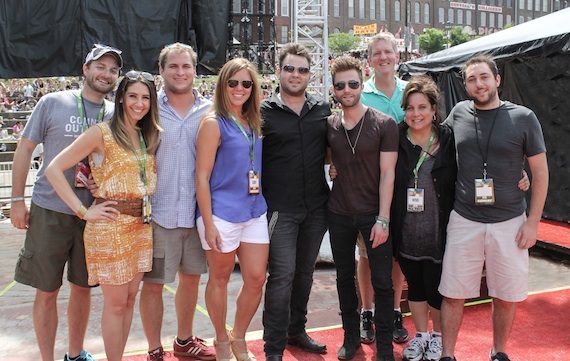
(415, 349)
(83, 356)
(155, 355)
(434, 348)
(366, 330)
(499, 356)
(196, 348)
(400, 334)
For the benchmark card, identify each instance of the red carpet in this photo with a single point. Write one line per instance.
(554, 232)
(541, 332)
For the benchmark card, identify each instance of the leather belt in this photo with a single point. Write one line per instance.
(129, 207)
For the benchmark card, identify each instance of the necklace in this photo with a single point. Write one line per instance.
(353, 147)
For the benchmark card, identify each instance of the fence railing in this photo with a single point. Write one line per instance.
(6, 180)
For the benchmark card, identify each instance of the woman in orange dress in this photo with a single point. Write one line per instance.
(118, 233)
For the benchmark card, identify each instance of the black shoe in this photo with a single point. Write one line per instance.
(348, 349)
(385, 358)
(400, 334)
(499, 356)
(366, 330)
(303, 341)
(273, 358)
(447, 359)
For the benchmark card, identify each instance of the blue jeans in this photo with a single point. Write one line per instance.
(343, 232)
(293, 250)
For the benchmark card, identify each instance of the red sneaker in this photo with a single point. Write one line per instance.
(195, 348)
(156, 355)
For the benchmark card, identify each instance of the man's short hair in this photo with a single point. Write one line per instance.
(386, 36)
(294, 49)
(478, 59)
(177, 48)
(345, 63)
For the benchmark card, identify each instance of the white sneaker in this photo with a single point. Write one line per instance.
(433, 351)
(415, 349)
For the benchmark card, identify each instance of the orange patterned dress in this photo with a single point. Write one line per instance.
(116, 251)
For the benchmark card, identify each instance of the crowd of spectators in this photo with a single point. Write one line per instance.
(23, 94)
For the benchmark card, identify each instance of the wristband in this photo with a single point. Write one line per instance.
(17, 199)
(385, 222)
(81, 212)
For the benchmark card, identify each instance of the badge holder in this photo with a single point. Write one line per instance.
(415, 200)
(82, 173)
(146, 210)
(484, 192)
(253, 182)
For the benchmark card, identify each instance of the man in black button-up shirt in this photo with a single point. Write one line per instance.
(293, 180)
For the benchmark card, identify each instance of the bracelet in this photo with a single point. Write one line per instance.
(17, 199)
(81, 212)
(385, 222)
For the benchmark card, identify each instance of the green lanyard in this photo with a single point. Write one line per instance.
(142, 164)
(251, 144)
(81, 107)
(422, 157)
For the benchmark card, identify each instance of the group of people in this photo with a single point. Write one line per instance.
(169, 183)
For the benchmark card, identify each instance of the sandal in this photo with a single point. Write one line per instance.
(239, 348)
(223, 351)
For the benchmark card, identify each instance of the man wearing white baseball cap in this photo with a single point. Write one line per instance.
(54, 233)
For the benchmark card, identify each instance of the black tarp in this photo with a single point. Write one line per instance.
(41, 38)
(534, 63)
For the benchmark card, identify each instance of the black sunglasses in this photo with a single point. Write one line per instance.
(301, 69)
(232, 83)
(352, 84)
(134, 75)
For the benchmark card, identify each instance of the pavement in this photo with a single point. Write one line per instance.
(17, 337)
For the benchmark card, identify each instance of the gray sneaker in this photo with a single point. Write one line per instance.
(83, 356)
(434, 348)
(366, 328)
(399, 334)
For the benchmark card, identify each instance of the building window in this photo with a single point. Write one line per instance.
(336, 8)
(284, 34)
(417, 13)
(491, 20)
(372, 9)
(492, 2)
(521, 20)
(536, 5)
(500, 3)
(521, 4)
(426, 13)
(483, 19)
(460, 17)
(361, 9)
(284, 7)
(383, 10)
(236, 6)
(510, 4)
(397, 11)
(468, 17)
(544, 6)
(336, 31)
(351, 8)
(529, 4)
(441, 16)
(500, 21)
(508, 20)
(450, 16)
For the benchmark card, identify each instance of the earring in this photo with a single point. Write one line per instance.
(434, 118)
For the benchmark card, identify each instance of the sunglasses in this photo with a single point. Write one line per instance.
(352, 84)
(232, 83)
(106, 47)
(135, 75)
(301, 69)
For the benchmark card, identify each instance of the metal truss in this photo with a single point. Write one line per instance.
(310, 28)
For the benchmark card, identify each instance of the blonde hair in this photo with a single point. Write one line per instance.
(222, 104)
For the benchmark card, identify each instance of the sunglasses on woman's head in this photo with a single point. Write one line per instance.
(232, 83)
(134, 75)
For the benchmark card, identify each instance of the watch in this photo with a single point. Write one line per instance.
(385, 222)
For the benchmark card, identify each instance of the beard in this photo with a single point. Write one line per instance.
(99, 87)
(483, 102)
(287, 89)
(347, 103)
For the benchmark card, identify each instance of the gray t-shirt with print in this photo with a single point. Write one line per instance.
(55, 122)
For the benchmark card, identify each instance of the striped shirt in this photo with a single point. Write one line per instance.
(174, 200)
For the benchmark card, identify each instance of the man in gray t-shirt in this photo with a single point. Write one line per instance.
(54, 235)
(488, 225)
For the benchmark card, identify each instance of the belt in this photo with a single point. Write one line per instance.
(130, 207)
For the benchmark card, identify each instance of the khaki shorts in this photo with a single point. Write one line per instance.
(470, 245)
(52, 240)
(175, 250)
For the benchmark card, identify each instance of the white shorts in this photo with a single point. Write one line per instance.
(232, 234)
(470, 245)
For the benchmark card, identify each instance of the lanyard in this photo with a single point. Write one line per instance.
(81, 107)
(484, 156)
(250, 144)
(422, 156)
(142, 164)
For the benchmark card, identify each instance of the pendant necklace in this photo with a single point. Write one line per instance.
(357, 135)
